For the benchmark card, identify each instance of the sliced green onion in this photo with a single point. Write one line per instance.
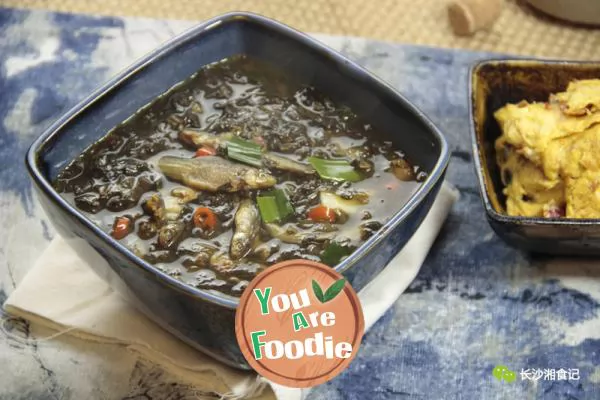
(334, 253)
(337, 170)
(274, 206)
(268, 208)
(244, 151)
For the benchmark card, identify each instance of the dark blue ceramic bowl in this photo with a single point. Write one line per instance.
(494, 83)
(205, 319)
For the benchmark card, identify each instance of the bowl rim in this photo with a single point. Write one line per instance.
(477, 149)
(193, 33)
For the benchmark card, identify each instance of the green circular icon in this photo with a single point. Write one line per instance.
(502, 373)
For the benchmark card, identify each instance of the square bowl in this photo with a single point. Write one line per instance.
(493, 84)
(202, 318)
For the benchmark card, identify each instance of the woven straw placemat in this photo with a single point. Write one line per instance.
(518, 30)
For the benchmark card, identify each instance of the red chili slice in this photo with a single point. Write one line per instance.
(321, 213)
(121, 228)
(205, 151)
(205, 218)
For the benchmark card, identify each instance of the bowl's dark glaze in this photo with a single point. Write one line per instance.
(493, 84)
(201, 318)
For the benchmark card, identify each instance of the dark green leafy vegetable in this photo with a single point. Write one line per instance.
(244, 151)
(334, 253)
(268, 208)
(274, 206)
(338, 170)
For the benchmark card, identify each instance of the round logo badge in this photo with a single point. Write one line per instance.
(299, 323)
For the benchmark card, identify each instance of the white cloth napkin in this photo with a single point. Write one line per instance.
(61, 292)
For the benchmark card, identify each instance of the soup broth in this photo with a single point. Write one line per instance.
(235, 169)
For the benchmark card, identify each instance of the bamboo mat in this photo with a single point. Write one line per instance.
(518, 30)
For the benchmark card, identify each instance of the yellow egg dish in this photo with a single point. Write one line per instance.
(548, 154)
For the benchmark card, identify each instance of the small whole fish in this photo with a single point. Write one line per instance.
(171, 234)
(202, 138)
(265, 250)
(221, 262)
(247, 225)
(244, 269)
(291, 234)
(184, 194)
(272, 160)
(163, 209)
(214, 174)
(269, 159)
(156, 207)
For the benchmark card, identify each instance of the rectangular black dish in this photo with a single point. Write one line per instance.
(493, 84)
(205, 319)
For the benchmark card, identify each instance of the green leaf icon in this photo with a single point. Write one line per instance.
(330, 293)
(334, 290)
(501, 372)
(317, 291)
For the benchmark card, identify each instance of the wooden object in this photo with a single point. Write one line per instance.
(468, 16)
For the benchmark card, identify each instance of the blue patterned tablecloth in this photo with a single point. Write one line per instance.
(476, 303)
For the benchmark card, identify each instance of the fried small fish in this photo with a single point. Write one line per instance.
(215, 174)
(247, 225)
(237, 270)
(269, 159)
(221, 262)
(272, 160)
(201, 138)
(170, 235)
(184, 194)
(290, 233)
(163, 208)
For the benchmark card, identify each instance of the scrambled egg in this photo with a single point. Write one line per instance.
(548, 154)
